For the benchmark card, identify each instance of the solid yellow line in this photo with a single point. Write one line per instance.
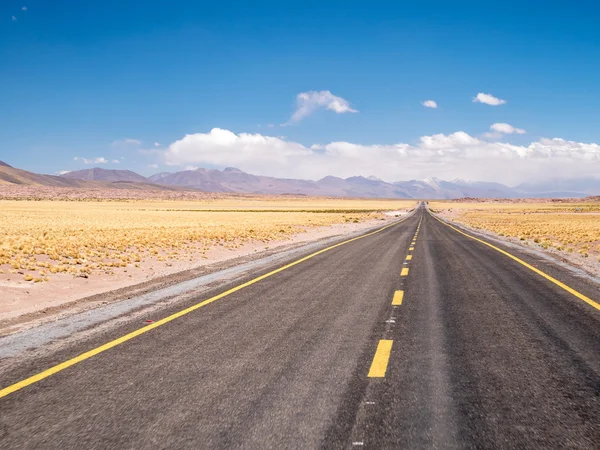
(404, 272)
(408, 257)
(398, 297)
(71, 362)
(560, 284)
(381, 358)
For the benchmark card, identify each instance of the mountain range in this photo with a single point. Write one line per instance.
(100, 179)
(233, 180)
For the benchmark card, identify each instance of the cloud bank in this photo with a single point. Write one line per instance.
(446, 156)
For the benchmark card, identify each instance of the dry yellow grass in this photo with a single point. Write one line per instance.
(39, 238)
(565, 227)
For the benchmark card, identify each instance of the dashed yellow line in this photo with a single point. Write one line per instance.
(409, 257)
(95, 351)
(404, 272)
(410, 249)
(381, 359)
(560, 284)
(398, 297)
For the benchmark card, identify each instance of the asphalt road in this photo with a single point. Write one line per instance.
(478, 352)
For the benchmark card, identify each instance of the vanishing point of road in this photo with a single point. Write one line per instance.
(418, 335)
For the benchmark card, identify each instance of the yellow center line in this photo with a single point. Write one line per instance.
(560, 284)
(404, 272)
(398, 297)
(381, 359)
(411, 249)
(408, 257)
(95, 351)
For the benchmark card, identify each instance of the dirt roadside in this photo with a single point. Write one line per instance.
(28, 305)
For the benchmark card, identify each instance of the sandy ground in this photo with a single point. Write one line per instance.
(590, 265)
(19, 298)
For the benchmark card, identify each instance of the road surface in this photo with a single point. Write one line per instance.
(375, 344)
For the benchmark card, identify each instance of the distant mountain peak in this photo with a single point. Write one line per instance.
(432, 181)
(463, 181)
(232, 170)
(3, 164)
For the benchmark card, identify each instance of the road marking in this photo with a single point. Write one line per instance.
(95, 351)
(398, 297)
(560, 284)
(411, 249)
(404, 272)
(381, 358)
(408, 257)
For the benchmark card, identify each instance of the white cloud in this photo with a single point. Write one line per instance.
(488, 99)
(456, 155)
(62, 172)
(156, 144)
(505, 128)
(309, 102)
(429, 104)
(116, 161)
(153, 166)
(24, 8)
(14, 19)
(97, 160)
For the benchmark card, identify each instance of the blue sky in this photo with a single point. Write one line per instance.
(77, 79)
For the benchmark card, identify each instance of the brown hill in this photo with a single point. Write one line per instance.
(98, 174)
(10, 176)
